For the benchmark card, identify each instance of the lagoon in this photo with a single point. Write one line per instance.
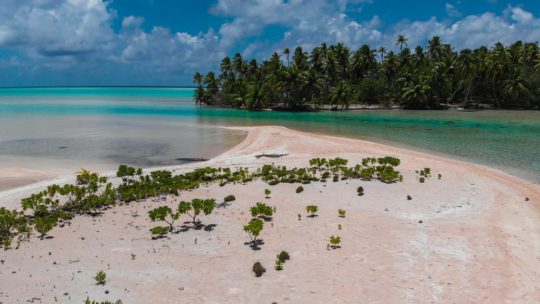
(99, 128)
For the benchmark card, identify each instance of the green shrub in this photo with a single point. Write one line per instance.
(258, 269)
(101, 278)
(422, 180)
(164, 214)
(159, 231)
(229, 198)
(253, 229)
(312, 209)
(283, 256)
(88, 301)
(439, 176)
(341, 213)
(12, 224)
(360, 190)
(44, 224)
(197, 206)
(299, 189)
(261, 210)
(267, 193)
(335, 241)
(273, 182)
(279, 265)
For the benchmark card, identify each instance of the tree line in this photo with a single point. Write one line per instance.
(431, 77)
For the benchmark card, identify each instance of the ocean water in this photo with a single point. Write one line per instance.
(103, 127)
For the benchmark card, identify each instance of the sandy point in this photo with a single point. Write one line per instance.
(469, 237)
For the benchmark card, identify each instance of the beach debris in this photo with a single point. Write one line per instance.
(271, 155)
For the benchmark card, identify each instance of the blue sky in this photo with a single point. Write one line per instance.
(163, 42)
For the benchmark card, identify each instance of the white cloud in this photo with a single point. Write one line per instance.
(473, 30)
(78, 35)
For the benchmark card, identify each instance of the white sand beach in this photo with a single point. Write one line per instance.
(470, 237)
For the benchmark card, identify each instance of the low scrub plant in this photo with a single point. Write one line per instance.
(283, 256)
(335, 241)
(299, 189)
(159, 231)
(279, 265)
(312, 210)
(258, 269)
(229, 198)
(341, 213)
(262, 210)
(100, 278)
(196, 207)
(88, 301)
(267, 193)
(12, 224)
(253, 229)
(164, 214)
(360, 190)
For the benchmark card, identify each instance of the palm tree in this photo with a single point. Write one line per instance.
(401, 41)
(382, 51)
(197, 78)
(286, 51)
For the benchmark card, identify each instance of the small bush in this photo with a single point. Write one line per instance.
(253, 229)
(312, 209)
(101, 278)
(283, 256)
(360, 190)
(229, 198)
(88, 301)
(273, 182)
(439, 176)
(341, 213)
(422, 180)
(261, 210)
(299, 189)
(526, 199)
(258, 269)
(267, 193)
(409, 197)
(159, 231)
(336, 178)
(279, 265)
(335, 241)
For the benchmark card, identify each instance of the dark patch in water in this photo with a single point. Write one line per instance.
(191, 159)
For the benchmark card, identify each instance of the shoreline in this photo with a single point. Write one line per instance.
(39, 179)
(469, 237)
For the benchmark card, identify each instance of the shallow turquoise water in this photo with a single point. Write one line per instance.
(154, 126)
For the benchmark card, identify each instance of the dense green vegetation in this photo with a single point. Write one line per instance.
(88, 301)
(57, 205)
(421, 78)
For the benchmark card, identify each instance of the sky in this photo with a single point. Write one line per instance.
(164, 42)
